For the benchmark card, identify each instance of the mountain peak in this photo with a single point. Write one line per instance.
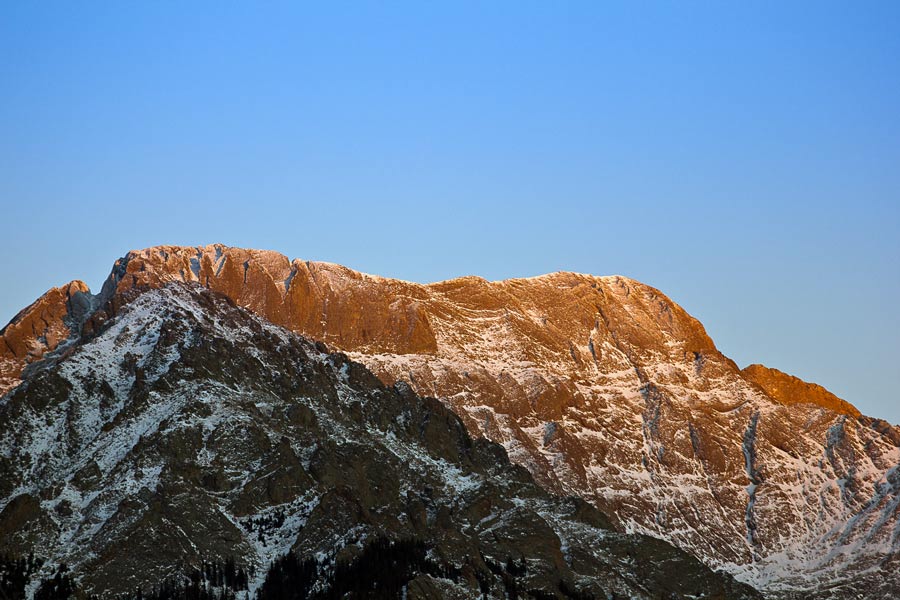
(603, 387)
(788, 389)
(187, 431)
(40, 327)
(557, 313)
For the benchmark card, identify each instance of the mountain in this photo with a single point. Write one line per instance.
(184, 432)
(40, 328)
(603, 388)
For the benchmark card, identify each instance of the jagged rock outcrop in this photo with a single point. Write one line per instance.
(788, 389)
(40, 328)
(184, 430)
(324, 301)
(605, 388)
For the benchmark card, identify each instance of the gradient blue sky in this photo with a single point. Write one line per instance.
(742, 157)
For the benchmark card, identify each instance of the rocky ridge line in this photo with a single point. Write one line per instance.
(185, 430)
(605, 388)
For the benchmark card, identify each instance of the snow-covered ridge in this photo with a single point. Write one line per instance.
(605, 388)
(186, 429)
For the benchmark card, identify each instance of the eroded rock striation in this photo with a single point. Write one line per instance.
(602, 387)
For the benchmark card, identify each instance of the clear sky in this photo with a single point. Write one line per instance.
(742, 157)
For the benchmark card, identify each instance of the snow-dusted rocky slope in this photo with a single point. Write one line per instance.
(185, 429)
(605, 388)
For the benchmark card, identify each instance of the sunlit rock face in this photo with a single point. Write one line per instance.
(40, 328)
(185, 431)
(605, 388)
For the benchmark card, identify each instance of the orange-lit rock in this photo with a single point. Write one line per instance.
(602, 387)
(40, 328)
(788, 389)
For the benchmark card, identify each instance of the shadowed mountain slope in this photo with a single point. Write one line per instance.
(603, 388)
(186, 431)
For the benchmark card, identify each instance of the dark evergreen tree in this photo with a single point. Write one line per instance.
(59, 587)
(290, 578)
(15, 574)
(381, 570)
(516, 569)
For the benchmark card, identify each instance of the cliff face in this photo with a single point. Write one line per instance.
(324, 301)
(788, 389)
(40, 328)
(186, 431)
(605, 388)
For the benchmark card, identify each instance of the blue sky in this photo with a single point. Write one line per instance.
(742, 157)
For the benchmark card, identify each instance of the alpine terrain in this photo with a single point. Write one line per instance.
(184, 417)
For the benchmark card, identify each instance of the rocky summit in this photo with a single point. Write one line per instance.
(186, 432)
(612, 397)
